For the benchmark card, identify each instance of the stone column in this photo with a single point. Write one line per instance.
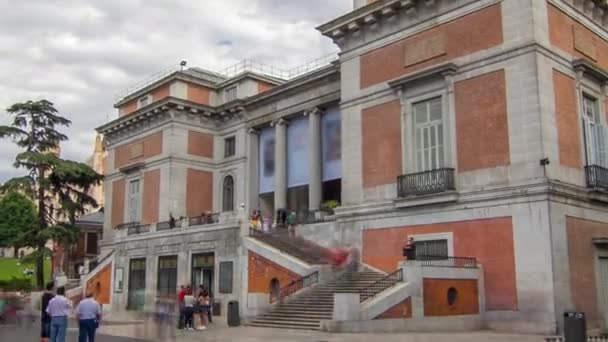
(315, 171)
(280, 164)
(253, 168)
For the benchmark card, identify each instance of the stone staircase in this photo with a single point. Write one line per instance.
(298, 247)
(307, 310)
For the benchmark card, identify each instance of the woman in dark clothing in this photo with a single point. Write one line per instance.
(45, 326)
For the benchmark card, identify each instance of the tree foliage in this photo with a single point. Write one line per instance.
(58, 187)
(17, 219)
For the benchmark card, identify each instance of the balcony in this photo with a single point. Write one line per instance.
(137, 228)
(426, 182)
(597, 177)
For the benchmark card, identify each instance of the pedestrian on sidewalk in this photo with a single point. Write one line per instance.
(165, 315)
(189, 302)
(88, 314)
(45, 319)
(181, 307)
(59, 308)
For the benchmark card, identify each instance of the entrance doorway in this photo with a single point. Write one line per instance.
(603, 288)
(137, 284)
(275, 288)
(167, 275)
(203, 268)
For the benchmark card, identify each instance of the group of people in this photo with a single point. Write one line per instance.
(195, 309)
(56, 310)
(285, 219)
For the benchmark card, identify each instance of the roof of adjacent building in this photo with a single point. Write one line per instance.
(95, 218)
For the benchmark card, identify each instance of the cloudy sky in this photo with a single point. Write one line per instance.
(79, 54)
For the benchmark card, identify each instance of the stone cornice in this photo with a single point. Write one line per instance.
(441, 70)
(587, 67)
(366, 15)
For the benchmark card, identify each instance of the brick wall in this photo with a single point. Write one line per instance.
(200, 144)
(151, 197)
(198, 94)
(568, 129)
(261, 271)
(482, 130)
(572, 37)
(381, 144)
(401, 310)
(128, 108)
(474, 32)
(436, 297)
(263, 87)
(118, 202)
(199, 192)
(581, 257)
(488, 240)
(139, 150)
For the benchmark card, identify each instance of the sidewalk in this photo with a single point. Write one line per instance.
(219, 331)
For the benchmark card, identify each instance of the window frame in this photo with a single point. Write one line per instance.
(410, 162)
(226, 151)
(589, 90)
(448, 236)
(128, 212)
(147, 98)
(224, 202)
(227, 92)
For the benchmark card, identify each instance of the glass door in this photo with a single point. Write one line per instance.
(203, 268)
(137, 285)
(167, 275)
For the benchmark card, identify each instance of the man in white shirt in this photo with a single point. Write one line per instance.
(88, 313)
(59, 309)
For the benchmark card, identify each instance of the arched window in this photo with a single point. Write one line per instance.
(228, 194)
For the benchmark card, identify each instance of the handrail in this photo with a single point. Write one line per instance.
(381, 285)
(295, 286)
(445, 261)
(204, 219)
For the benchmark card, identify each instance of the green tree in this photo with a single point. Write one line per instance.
(58, 187)
(17, 218)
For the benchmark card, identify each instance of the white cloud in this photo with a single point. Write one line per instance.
(80, 54)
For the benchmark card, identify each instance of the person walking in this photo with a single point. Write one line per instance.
(45, 319)
(182, 309)
(189, 310)
(59, 309)
(88, 314)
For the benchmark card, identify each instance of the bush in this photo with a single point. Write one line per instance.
(17, 284)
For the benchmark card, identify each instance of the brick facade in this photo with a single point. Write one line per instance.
(139, 150)
(566, 117)
(101, 284)
(489, 240)
(200, 144)
(436, 297)
(460, 37)
(262, 271)
(151, 197)
(381, 144)
(482, 129)
(199, 192)
(118, 202)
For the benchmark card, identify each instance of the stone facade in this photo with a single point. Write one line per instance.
(489, 91)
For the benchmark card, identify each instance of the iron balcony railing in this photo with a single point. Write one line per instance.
(446, 261)
(381, 285)
(204, 219)
(168, 225)
(295, 286)
(426, 182)
(597, 177)
(126, 225)
(138, 229)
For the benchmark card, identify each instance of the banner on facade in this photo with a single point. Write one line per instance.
(297, 152)
(266, 162)
(331, 132)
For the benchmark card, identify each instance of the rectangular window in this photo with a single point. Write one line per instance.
(229, 147)
(137, 284)
(429, 135)
(595, 133)
(167, 275)
(230, 94)
(134, 200)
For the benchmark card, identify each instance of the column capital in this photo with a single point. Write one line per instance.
(253, 131)
(313, 111)
(279, 121)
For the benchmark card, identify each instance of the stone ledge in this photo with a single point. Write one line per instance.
(414, 201)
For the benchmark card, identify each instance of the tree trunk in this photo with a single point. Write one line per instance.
(42, 226)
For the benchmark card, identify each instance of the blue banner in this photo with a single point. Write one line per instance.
(266, 162)
(297, 152)
(331, 136)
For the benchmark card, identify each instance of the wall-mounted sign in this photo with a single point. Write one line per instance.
(118, 279)
(226, 277)
(266, 162)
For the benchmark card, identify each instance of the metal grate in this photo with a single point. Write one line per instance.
(597, 177)
(445, 261)
(427, 182)
(381, 285)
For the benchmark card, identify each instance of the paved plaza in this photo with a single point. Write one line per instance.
(219, 331)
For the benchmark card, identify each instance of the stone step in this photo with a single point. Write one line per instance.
(284, 326)
(296, 314)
